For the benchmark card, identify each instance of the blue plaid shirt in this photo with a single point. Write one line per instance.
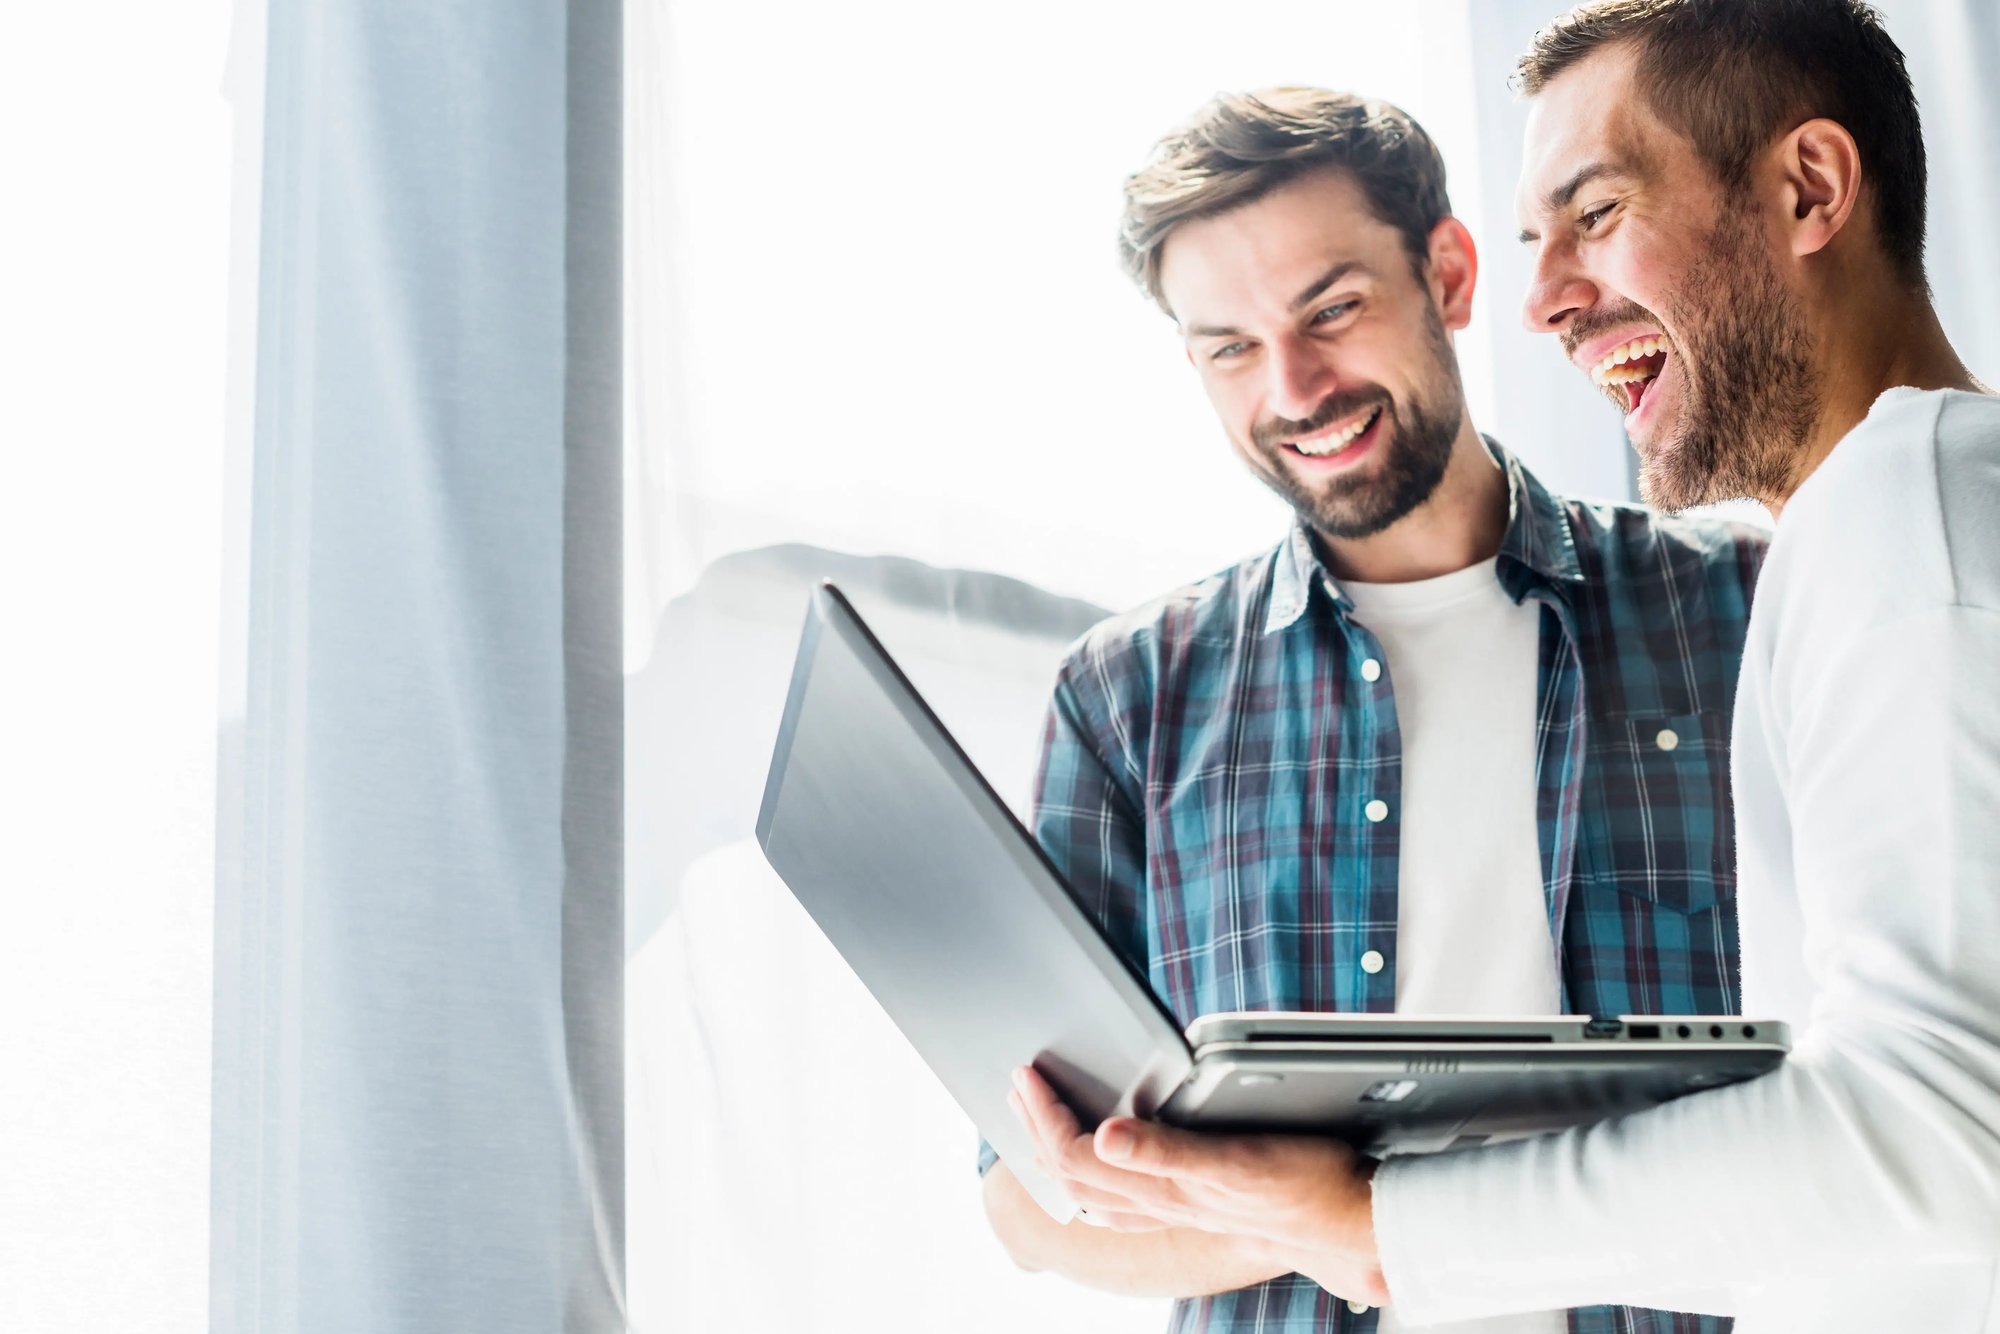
(1209, 756)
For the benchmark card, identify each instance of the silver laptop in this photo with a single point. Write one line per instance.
(966, 934)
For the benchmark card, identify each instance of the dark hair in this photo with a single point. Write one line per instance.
(1241, 146)
(1732, 75)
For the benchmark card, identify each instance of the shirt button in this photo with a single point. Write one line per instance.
(1359, 1308)
(1372, 962)
(1377, 811)
(1371, 670)
(1668, 738)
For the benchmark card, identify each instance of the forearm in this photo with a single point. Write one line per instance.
(1178, 1262)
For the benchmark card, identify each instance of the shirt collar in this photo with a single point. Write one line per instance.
(1538, 541)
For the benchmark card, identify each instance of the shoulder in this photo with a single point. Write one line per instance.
(1627, 535)
(1124, 657)
(1968, 477)
(1906, 505)
(1629, 552)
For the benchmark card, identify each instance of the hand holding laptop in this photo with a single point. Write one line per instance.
(1305, 1200)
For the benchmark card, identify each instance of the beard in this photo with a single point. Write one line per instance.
(1750, 392)
(1417, 432)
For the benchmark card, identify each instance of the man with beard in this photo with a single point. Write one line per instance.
(1455, 746)
(1726, 201)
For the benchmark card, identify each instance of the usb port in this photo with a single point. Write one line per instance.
(1643, 1030)
(1601, 1027)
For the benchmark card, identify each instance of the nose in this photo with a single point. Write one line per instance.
(1301, 378)
(1557, 289)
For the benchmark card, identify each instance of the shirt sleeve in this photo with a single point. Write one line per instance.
(1878, 1142)
(1087, 822)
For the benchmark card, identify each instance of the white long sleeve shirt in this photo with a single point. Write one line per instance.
(1857, 1188)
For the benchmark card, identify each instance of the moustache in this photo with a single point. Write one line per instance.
(1594, 322)
(1275, 431)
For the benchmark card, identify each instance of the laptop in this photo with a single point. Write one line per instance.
(957, 922)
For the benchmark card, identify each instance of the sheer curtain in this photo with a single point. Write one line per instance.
(877, 331)
(419, 929)
(311, 918)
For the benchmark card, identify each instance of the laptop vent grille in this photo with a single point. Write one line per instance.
(1432, 1065)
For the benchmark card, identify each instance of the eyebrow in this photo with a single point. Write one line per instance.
(1559, 198)
(1300, 302)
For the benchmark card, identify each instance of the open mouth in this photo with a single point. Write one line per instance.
(1337, 442)
(1628, 371)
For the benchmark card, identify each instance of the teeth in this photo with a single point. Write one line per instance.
(1333, 444)
(1612, 370)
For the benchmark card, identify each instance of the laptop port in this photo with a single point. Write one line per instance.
(1643, 1030)
(1602, 1027)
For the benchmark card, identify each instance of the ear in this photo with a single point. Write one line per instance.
(1821, 182)
(1452, 270)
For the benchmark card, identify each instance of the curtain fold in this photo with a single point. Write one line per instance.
(418, 1077)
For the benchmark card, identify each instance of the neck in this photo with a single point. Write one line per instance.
(1889, 337)
(1461, 524)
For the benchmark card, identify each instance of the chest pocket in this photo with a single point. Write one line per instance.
(1656, 819)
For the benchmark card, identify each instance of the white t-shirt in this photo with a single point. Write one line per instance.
(1857, 1187)
(1472, 921)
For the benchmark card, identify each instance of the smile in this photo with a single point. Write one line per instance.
(1334, 441)
(1628, 370)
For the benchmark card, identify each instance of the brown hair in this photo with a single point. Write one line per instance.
(1241, 146)
(1732, 75)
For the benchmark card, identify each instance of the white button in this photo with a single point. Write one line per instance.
(1377, 811)
(1371, 670)
(1359, 1308)
(1372, 961)
(1668, 738)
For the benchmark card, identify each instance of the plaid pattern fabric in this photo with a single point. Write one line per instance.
(1209, 758)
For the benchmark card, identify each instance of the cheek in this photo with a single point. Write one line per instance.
(1642, 268)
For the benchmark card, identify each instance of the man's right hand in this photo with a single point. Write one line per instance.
(1066, 1154)
(1112, 1249)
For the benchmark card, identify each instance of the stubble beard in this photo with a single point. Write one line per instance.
(1753, 394)
(1419, 433)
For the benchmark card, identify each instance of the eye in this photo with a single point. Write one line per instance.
(1591, 217)
(1228, 351)
(1333, 312)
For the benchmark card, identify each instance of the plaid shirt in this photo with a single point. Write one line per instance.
(1208, 759)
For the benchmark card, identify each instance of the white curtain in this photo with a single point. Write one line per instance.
(417, 1051)
(877, 331)
(310, 889)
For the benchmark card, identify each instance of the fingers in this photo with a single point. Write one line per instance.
(1047, 1115)
(1147, 1149)
(1068, 1156)
(1115, 1220)
(1100, 1200)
